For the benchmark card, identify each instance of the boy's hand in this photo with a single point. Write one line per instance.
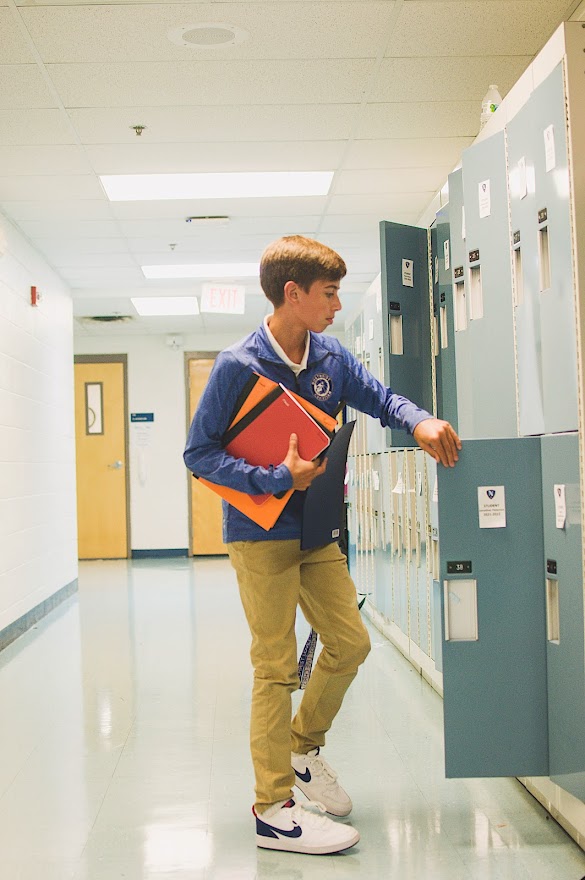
(303, 472)
(438, 439)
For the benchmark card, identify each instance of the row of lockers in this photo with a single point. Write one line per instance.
(488, 583)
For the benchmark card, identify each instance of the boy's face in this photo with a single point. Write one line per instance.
(317, 305)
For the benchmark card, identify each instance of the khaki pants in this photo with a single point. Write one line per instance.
(275, 576)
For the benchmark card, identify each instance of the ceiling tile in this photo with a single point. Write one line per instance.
(445, 79)
(102, 277)
(407, 153)
(13, 46)
(384, 205)
(212, 82)
(45, 160)
(23, 86)
(231, 123)
(57, 248)
(34, 127)
(110, 33)
(75, 260)
(81, 209)
(150, 213)
(391, 180)
(414, 120)
(52, 188)
(144, 158)
(508, 27)
(68, 230)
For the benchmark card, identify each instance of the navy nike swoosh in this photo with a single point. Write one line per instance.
(265, 830)
(306, 776)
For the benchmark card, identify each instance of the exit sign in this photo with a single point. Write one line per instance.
(227, 299)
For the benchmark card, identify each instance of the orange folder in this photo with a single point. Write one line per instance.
(266, 514)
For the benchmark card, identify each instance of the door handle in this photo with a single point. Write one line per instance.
(116, 465)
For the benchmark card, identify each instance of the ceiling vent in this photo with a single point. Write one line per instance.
(107, 319)
(207, 35)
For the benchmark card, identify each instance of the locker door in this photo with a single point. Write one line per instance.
(406, 311)
(445, 324)
(564, 586)
(494, 631)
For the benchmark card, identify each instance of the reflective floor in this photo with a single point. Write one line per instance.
(124, 752)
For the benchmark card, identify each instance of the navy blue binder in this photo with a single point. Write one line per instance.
(323, 519)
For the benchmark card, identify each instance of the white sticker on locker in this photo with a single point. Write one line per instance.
(522, 181)
(408, 273)
(550, 156)
(485, 198)
(436, 491)
(447, 254)
(419, 482)
(560, 506)
(436, 269)
(371, 328)
(358, 345)
(492, 507)
(399, 487)
(376, 478)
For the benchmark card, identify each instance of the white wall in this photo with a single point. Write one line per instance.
(38, 528)
(159, 511)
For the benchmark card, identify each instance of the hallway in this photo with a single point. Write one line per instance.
(124, 752)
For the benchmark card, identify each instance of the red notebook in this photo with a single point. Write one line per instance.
(262, 436)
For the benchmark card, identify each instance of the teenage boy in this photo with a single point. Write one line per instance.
(301, 278)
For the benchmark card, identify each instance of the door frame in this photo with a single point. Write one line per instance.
(192, 356)
(117, 359)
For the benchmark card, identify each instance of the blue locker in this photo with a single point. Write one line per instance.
(557, 304)
(445, 375)
(492, 396)
(564, 592)
(431, 497)
(494, 645)
(406, 327)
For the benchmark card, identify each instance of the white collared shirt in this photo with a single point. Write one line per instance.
(296, 368)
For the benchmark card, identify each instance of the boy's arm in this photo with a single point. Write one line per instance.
(366, 394)
(204, 454)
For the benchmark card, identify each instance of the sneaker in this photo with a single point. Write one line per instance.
(293, 828)
(318, 782)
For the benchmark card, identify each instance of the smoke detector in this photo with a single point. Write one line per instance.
(207, 35)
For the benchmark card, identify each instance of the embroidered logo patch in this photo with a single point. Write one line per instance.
(322, 386)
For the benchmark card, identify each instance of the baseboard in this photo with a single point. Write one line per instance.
(24, 623)
(164, 553)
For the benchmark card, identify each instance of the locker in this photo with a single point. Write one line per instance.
(493, 611)
(563, 589)
(431, 500)
(491, 397)
(406, 325)
(444, 321)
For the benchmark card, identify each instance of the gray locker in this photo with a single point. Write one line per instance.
(494, 645)
(431, 499)
(406, 325)
(491, 399)
(564, 603)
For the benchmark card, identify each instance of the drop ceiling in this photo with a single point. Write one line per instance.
(386, 94)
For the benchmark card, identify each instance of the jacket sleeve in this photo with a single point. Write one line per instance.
(204, 454)
(362, 391)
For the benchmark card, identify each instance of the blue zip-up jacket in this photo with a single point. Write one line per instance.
(333, 376)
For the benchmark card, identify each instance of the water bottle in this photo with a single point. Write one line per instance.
(491, 101)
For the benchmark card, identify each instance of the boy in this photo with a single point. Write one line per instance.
(301, 278)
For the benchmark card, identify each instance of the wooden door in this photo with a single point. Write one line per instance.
(206, 512)
(100, 431)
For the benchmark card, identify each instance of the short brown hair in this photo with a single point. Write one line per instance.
(299, 259)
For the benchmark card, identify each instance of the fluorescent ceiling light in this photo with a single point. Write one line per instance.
(165, 305)
(231, 185)
(204, 270)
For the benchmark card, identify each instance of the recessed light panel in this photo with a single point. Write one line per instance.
(221, 185)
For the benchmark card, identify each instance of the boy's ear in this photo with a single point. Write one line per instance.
(291, 291)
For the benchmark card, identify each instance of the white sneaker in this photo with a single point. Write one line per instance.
(318, 782)
(296, 829)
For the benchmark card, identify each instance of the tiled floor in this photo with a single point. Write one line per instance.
(124, 752)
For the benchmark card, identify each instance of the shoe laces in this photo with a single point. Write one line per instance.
(310, 813)
(320, 767)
